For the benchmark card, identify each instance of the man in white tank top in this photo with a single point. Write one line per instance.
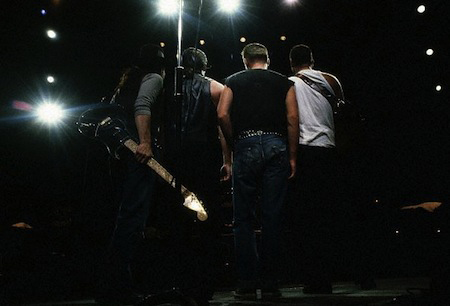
(316, 113)
(315, 206)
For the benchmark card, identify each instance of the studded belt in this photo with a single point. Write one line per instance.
(251, 133)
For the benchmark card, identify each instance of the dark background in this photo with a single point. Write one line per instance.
(376, 49)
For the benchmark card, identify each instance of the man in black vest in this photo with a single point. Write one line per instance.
(197, 162)
(258, 114)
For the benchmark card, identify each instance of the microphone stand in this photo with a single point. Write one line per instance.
(178, 95)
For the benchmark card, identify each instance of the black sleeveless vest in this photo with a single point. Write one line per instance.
(198, 113)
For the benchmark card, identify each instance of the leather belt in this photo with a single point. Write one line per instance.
(251, 133)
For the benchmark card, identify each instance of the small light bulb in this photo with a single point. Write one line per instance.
(421, 9)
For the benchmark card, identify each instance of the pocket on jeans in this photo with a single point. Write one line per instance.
(279, 152)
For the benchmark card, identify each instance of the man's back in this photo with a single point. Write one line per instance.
(316, 114)
(259, 100)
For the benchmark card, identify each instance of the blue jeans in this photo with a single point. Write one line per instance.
(134, 209)
(260, 175)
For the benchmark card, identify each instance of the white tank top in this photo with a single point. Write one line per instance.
(315, 112)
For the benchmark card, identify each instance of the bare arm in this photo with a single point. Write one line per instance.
(335, 84)
(144, 149)
(223, 113)
(216, 91)
(292, 128)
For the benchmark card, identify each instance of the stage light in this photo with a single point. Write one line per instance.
(283, 38)
(50, 113)
(51, 34)
(43, 12)
(438, 88)
(202, 42)
(162, 44)
(397, 232)
(168, 7)
(243, 39)
(229, 6)
(430, 52)
(421, 9)
(50, 79)
(290, 2)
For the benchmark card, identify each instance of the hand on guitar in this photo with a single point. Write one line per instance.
(144, 152)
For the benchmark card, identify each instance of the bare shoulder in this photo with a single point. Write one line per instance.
(334, 83)
(216, 89)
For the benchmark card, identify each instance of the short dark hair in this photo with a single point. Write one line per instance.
(301, 55)
(195, 59)
(255, 52)
(150, 58)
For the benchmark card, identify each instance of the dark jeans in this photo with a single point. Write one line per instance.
(316, 212)
(260, 174)
(133, 213)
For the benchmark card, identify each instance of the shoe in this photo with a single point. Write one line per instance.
(324, 288)
(245, 294)
(270, 293)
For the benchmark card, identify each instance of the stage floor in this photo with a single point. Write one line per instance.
(398, 291)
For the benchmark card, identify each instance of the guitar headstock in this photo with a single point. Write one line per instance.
(193, 203)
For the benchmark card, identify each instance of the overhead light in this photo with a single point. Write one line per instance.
(438, 87)
(421, 9)
(50, 79)
(430, 52)
(202, 42)
(51, 34)
(168, 7)
(243, 39)
(229, 6)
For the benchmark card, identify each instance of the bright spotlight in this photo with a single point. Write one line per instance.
(229, 6)
(162, 44)
(50, 113)
(168, 7)
(202, 42)
(43, 12)
(50, 79)
(51, 34)
(243, 39)
(290, 2)
(421, 9)
(283, 38)
(430, 52)
(438, 88)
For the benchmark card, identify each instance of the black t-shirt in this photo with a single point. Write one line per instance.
(259, 100)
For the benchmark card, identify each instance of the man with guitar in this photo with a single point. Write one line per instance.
(139, 94)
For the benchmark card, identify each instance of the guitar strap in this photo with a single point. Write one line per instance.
(332, 99)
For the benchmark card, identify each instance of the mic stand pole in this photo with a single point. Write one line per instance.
(178, 96)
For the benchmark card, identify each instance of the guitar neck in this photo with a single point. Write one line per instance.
(157, 167)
